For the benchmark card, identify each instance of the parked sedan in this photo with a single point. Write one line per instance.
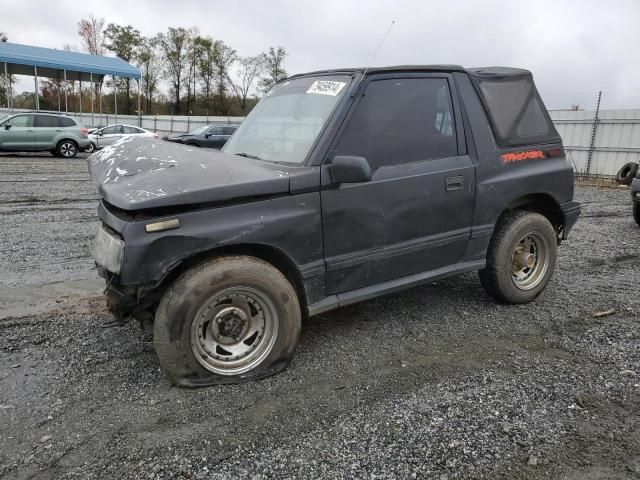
(212, 136)
(105, 136)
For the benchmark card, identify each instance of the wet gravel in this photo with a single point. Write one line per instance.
(434, 382)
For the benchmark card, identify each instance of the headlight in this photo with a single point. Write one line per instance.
(108, 250)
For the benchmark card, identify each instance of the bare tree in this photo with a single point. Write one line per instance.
(3, 37)
(249, 69)
(174, 45)
(91, 31)
(273, 67)
(149, 61)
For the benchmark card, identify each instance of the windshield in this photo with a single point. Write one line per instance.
(286, 122)
(199, 130)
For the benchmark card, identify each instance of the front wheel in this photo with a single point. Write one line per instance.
(636, 212)
(67, 149)
(227, 320)
(521, 258)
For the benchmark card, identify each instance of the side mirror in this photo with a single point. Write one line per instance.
(7, 126)
(348, 169)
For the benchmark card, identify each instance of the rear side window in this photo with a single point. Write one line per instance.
(46, 121)
(114, 129)
(229, 130)
(130, 130)
(518, 116)
(22, 121)
(216, 131)
(66, 122)
(401, 120)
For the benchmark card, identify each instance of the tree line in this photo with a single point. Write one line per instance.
(183, 72)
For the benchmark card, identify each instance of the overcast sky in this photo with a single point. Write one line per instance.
(573, 47)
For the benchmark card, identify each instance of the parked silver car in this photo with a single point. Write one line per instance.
(105, 136)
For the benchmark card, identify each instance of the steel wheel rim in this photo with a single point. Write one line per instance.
(67, 149)
(234, 330)
(529, 261)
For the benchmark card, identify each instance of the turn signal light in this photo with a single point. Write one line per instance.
(161, 226)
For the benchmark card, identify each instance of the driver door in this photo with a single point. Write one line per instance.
(108, 135)
(17, 133)
(414, 215)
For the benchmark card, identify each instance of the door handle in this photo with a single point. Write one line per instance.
(454, 183)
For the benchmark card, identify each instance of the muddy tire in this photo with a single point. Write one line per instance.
(227, 320)
(636, 212)
(521, 258)
(626, 174)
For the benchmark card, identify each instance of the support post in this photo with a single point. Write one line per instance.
(115, 98)
(7, 90)
(58, 89)
(66, 100)
(35, 81)
(80, 95)
(139, 105)
(594, 130)
(92, 97)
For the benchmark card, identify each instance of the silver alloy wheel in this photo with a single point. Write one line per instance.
(234, 330)
(529, 261)
(67, 149)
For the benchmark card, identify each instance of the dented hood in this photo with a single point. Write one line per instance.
(139, 173)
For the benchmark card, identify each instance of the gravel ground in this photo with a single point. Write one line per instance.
(434, 382)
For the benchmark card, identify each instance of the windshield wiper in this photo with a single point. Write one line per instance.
(248, 155)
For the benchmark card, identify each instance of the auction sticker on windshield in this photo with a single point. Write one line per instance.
(326, 87)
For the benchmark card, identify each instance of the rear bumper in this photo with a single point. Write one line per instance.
(635, 189)
(570, 213)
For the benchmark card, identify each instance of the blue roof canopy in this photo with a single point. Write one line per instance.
(21, 59)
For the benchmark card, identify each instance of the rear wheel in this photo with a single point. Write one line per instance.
(91, 148)
(228, 320)
(521, 258)
(67, 149)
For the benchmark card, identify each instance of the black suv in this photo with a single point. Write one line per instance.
(340, 186)
(214, 136)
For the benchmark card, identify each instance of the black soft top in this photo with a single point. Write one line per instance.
(479, 72)
(513, 105)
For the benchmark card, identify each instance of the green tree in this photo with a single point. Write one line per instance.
(174, 46)
(206, 69)
(223, 58)
(273, 67)
(124, 41)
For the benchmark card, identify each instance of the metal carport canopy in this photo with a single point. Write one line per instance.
(21, 59)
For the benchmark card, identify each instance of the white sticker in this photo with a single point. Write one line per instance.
(326, 87)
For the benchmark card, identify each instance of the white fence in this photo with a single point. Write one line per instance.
(599, 146)
(594, 146)
(156, 123)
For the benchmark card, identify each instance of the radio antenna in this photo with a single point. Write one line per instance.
(378, 49)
